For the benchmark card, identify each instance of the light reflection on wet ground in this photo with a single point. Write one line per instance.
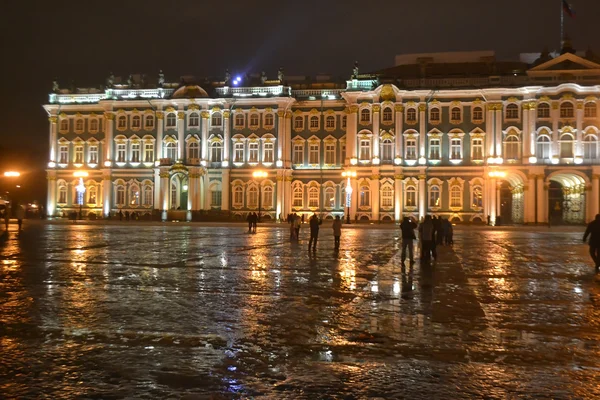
(153, 312)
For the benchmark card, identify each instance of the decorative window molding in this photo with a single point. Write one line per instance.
(239, 120)
(79, 125)
(567, 110)
(268, 120)
(476, 194)
(511, 112)
(314, 123)
(543, 111)
(456, 112)
(410, 116)
(434, 194)
(122, 122)
(254, 121)
(194, 120)
(455, 188)
(590, 110)
(387, 115)
(298, 123)
(330, 123)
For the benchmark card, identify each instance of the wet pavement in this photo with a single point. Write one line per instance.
(195, 312)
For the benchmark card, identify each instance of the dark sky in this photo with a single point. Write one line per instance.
(84, 40)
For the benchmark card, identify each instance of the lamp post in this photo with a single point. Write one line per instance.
(11, 174)
(80, 188)
(348, 175)
(259, 176)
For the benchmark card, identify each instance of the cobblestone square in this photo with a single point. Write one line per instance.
(173, 311)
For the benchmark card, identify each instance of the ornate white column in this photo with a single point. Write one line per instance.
(554, 113)
(204, 148)
(498, 129)
(351, 131)
(106, 192)
(108, 137)
(422, 196)
(354, 199)
(281, 139)
(422, 131)
(226, 142)
(578, 150)
(529, 194)
(287, 192)
(525, 134)
(532, 125)
(190, 197)
(492, 188)
(489, 130)
(225, 189)
(51, 199)
(287, 144)
(595, 197)
(374, 187)
(180, 136)
(542, 200)
(206, 191)
(399, 138)
(160, 116)
(398, 200)
(279, 190)
(376, 110)
(53, 138)
(164, 192)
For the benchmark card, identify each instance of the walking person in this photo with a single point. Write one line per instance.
(593, 231)
(408, 227)
(249, 221)
(6, 217)
(297, 225)
(20, 214)
(426, 235)
(314, 223)
(254, 221)
(337, 232)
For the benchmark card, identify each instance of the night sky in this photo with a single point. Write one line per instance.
(84, 40)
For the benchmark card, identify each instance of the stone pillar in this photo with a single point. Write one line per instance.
(399, 108)
(287, 145)
(578, 145)
(532, 134)
(206, 191)
(351, 131)
(529, 193)
(498, 202)
(374, 187)
(204, 145)
(287, 192)
(180, 136)
(51, 199)
(422, 131)
(190, 198)
(354, 199)
(554, 113)
(525, 134)
(225, 189)
(157, 202)
(489, 129)
(376, 110)
(398, 198)
(108, 137)
(594, 199)
(281, 139)
(279, 195)
(160, 116)
(226, 142)
(106, 192)
(498, 129)
(164, 192)
(53, 138)
(542, 200)
(422, 196)
(492, 187)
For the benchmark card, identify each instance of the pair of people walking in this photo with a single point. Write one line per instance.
(427, 237)
(252, 220)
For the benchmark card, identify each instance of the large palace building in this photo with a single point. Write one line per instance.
(459, 135)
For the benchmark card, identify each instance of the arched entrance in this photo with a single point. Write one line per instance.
(510, 202)
(566, 198)
(178, 191)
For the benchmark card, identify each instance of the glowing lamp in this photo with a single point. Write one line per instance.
(491, 160)
(422, 160)
(532, 160)
(354, 161)
(185, 188)
(225, 163)
(260, 174)
(203, 163)
(12, 174)
(555, 160)
(80, 174)
(107, 163)
(499, 160)
(375, 160)
(51, 164)
(279, 163)
(156, 163)
(578, 160)
(397, 160)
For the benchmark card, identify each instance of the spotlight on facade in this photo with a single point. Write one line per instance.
(555, 160)
(491, 160)
(422, 160)
(107, 163)
(185, 188)
(279, 163)
(532, 160)
(12, 174)
(499, 160)
(80, 174)
(398, 161)
(354, 161)
(578, 160)
(375, 160)
(203, 163)
(225, 164)
(51, 164)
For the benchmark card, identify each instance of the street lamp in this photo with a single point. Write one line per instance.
(348, 175)
(259, 175)
(80, 188)
(12, 174)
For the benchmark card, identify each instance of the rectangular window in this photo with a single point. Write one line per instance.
(193, 150)
(215, 198)
(149, 152)
(330, 153)
(313, 154)
(434, 197)
(589, 149)
(269, 152)
(216, 151)
(344, 119)
(135, 152)
(387, 197)
(78, 154)
(411, 149)
(434, 149)
(121, 151)
(313, 198)
(298, 154)
(455, 149)
(365, 149)
(343, 151)
(477, 149)
(253, 152)
(297, 202)
(238, 152)
(455, 197)
(411, 197)
(63, 154)
(93, 153)
(150, 122)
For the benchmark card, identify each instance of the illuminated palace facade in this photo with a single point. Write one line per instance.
(459, 135)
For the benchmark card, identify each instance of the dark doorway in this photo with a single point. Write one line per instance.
(555, 203)
(506, 204)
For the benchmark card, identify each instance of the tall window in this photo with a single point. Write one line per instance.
(216, 151)
(314, 122)
(543, 147)
(511, 147)
(78, 154)
(313, 153)
(477, 114)
(590, 147)
(543, 110)
(194, 120)
(455, 114)
(64, 124)
(365, 196)
(477, 149)
(149, 121)
(122, 122)
(193, 150)
(121, 152)
(566, 145)
(239, 120)
(136, 122)
(313, 197)
(267, 200)
(148, 152)
(411, 115)
(254, 120)
(173, 195)
(434, 149)
(171, 150)
(298, 153)
(238, 152)
(434, 197)
(298, 196)
(330, 122)
(299, 122)
(253, 152)
(79, 124)
(94, 124)
(365, 115)
(216, 196)
(269, 121)
(387, 115)
(512, 111)
(365, 149)
(387, 150)
(135, 152)
(148, 201)
(62, 194)
(566, 110)
(93, 154)
(216, 120)
(92, 194)
(171, 120)
(330, 153)
(434, 115)
(411, 149)
(411, 196)
(238, 196)
(387, 197)
(63, 154)
(455, 196)
(590, 110)
(344, 120)
(252, 196)
(329, 197)
(477, 199)
(134, 196)
(455, 149)
(120, 200)
(269, 152)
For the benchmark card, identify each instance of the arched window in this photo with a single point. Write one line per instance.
(216, 120)
(455, 114)
(64, 124)
(122, 122)
(512, 111)
(171, 150)
(62, 194)
(434, 115)
(411, 115)
(267, 200)
(173, 195)
(120, 200)
(149, 121)
(477, 197)
(329, 197)
(194, 120)
(313, 197)
(136, 122)
(314, 122)
(171, 120)
(590, 147)
(387, 150)
(254, 120)
(434, 197)
(543, 147)
(365, 149)
(93, 124)
(566, 110)
(239, 120)
(478, 114)
(387, 115)
(566, 145)
(148, 194)
(365, 115)
(269, 120)
(298, 122)
(365, 196)
(216, 151)
(543, 110)
(330, 122)
(134, 195)
(297, 197)
(387, 197)
(79, 124)
(511, 147)
(455, 196)
(252, 196)
(590, 110)
(193, 150)
(238, 196)
(92, 194)
(411, 196)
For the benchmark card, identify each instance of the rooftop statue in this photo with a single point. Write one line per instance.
(130, 81)
(355, 70)
(263, 78)
(280, 75)
(110, 80)
(227, 76)
(55, 87)
(161, 79)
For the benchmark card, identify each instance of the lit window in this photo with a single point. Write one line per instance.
(134, 196)
(253, 152)
(269, 152)
(194, 120)
(512, 111)
(313, 153)
(543, 110)
(92, 194)
(411, 149)
(252, 196)
(148, 196)
(455, 114)
(314, 122)
(238, 152)
(365, 196)
(63, 154)
(298, 123)
(298, 197)
(148, 152)
(313, 197)
(216, 151)
(411, 115)
(171, 120)
(135, 152)
(590, 147)
(477, 199)
(193, 150)
(387, 115)
(411, 196)
(434, 115)
(477, 149)
(590, 110)
(238, 196)
(455, 149)
(566, 110)
(121, 152)
(298, 153)
(434, 197)
(434, 149)
(543, 147)
(269, 120)
(387, 197)
(171, 151)
(329, 197)
(136, 122)
(216, 120)
(455, 196)
(93, 154)
(330, 153)
(387, 150)
(78, 154)
(365, 115)
(365, 149)
(511, 147)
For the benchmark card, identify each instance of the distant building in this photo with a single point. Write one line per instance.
(460, 135)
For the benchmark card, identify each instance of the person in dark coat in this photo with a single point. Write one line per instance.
(337, 232)
(408, 227)
(249, 221)
(314, 231)
(593, 231)
(254, 221)
(427, 236)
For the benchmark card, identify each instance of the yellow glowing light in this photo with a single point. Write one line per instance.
(80, 174)
(260, 174)
(12, 174)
